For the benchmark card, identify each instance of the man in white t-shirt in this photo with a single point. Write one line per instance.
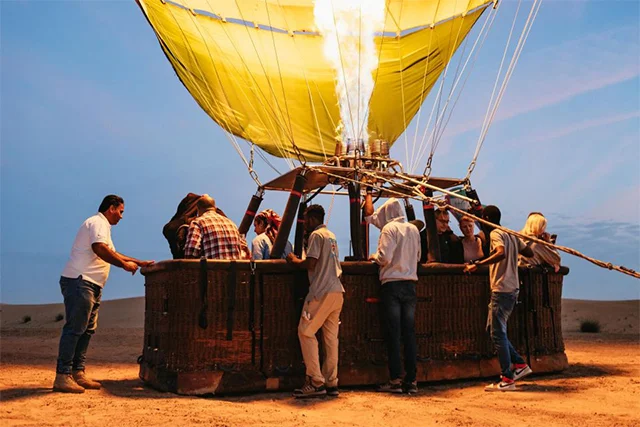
(322, 306)
(398, 256)
(505, 284)
(81, 283)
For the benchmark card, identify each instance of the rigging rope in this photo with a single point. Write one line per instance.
(423, 146)
(344, 74)
(262, 98)
(424, 81)
(284, 94)
(514, 60)
(267, 106)
(313, 107)
(375, 80)
(464, 83)
(229, 135)
(484, 32)
(438, 122)
(570, 251)
(418, 195)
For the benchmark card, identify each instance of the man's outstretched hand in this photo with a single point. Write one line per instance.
(131, 267)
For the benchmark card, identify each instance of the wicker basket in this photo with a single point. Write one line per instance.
(223, 327)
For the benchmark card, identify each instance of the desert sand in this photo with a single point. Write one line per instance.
(601, 386)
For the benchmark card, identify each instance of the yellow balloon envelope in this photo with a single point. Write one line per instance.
(258, 68)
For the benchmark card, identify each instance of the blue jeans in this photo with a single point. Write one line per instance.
(399, 305)
(81, 303)
(500, 308)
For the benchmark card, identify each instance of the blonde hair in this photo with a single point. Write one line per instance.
(536, 225)
(466, 219)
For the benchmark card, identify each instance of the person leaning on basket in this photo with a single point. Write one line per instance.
(81, 283)
(503, 278)
(214, 236)
(322, 306)
(536, 226)
(398, 256)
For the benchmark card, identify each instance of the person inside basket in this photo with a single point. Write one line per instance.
(322, 306)
(471, 243)
(503, 278)
(398, 256)
(214, 236)
(450, 245)
(266, 225)
(81, 283)
(536, 226)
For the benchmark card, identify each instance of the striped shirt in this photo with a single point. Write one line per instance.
(215, 237)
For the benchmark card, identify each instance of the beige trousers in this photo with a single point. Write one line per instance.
(324, 313)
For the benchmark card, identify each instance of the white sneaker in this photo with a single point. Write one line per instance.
(521, 372)
(505, 385)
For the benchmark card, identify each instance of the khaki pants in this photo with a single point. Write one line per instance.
(325, 314)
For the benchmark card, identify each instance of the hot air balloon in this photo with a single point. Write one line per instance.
(331, 86)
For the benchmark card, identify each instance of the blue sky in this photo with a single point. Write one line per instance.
(90, 106)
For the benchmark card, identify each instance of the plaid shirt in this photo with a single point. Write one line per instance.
(216, 236)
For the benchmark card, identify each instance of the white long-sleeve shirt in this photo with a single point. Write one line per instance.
(399, 247)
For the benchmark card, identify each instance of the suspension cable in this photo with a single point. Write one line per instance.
(484, 31)
(419, 195)
(375, 80)
(568, 250)
(344, 74)
(475, 50)
(464, 83)
(514, 60)
(284, 94)
(266, 105)
(268, 108)
(439, 116)
(229, 134)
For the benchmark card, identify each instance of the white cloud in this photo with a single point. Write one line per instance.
(549, 135)
(561, 72)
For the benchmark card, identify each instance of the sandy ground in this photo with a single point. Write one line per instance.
(601, 387)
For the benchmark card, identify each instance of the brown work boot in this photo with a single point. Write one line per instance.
(82, 379)
(66, 384)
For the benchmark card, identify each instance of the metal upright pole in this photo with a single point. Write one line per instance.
(299, 239)
(355, 220)
(433, 243)
(252, 209)
(408, 209)
(288, 216)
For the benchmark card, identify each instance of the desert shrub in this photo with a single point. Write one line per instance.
(59, 317)
(26, 319)
(590, 326)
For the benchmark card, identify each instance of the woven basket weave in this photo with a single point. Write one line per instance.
(251, 340)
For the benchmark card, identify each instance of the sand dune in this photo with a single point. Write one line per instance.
(119, 313)
(615, 317)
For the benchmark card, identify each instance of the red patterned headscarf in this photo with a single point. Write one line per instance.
(273, 220)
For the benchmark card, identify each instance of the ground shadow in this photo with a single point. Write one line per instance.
(546, 388)
(134, 388)
(10, 394)
(580, 370)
